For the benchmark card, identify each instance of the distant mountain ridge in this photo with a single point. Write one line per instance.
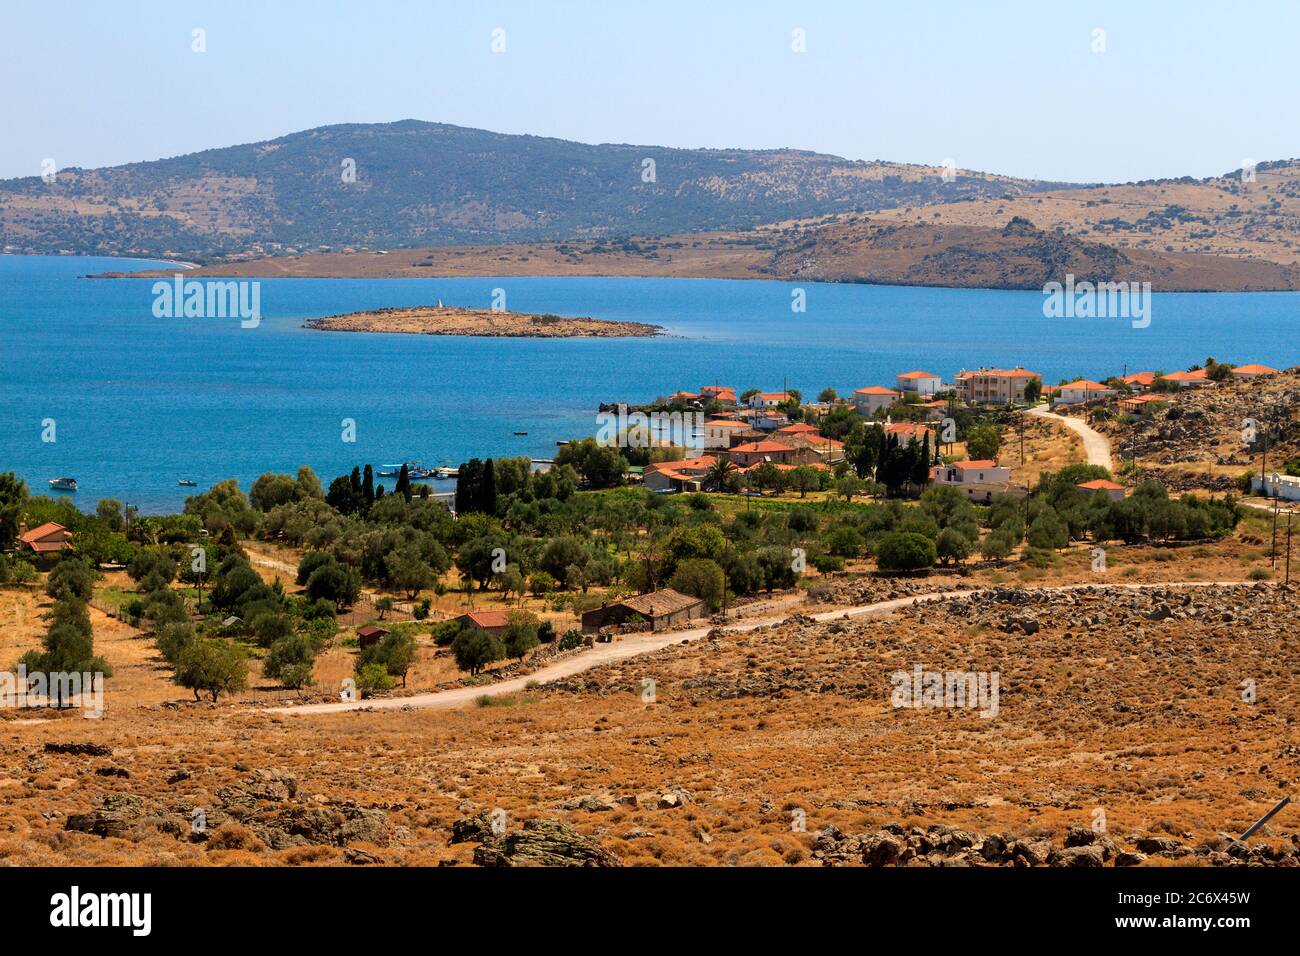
(431, 184)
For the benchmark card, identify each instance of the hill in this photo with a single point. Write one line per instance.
(432, 184)
(1014, 255)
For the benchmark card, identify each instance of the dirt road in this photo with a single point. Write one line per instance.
(1095, 444)
(634, 645)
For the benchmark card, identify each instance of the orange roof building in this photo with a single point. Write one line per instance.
(47, 539)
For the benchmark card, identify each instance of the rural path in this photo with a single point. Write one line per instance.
(1095, 444)
(636, 645)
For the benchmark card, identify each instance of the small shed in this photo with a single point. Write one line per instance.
(494, 622)
(370, 635)
(661, 609)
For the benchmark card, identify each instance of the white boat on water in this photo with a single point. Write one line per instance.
(444, 473)
(63, 484)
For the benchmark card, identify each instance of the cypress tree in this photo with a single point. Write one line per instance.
(487, 489)
(368, 486)
(403, 487)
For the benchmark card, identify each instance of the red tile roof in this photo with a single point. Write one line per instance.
(977, 463)
(1195, 376)
(1140, 378)
(1101, 484)
(486, 619)
(762, 448)
(1254, 370)
(912, 375)
(874, 390)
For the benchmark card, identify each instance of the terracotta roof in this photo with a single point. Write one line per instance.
(1254, 370)
(725, 423)
(1196, 376)
(908, 428)
(801, 428)
(1084, 384)
(1101, 484)
(978, 463)
(775, 396)
(761, 447)
(1001, 372)
(657, 603)
(370, 631)
(1140, 378)
(874, 390)
(487, 619)
(911, 375)
(43, 531)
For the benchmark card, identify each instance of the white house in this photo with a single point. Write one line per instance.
(869, 400)
(1082, 391)
(1102, 486)
(922, 383)
(768, 399)
(718, 433)
(980, 480)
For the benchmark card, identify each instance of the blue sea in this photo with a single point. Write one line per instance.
(138, 402)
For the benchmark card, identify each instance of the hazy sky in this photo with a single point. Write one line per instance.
(1182, 88)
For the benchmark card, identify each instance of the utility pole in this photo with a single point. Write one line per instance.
(1022, 437)
(1288, 546)
(1276, 499)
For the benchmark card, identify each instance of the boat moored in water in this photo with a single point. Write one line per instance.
(63, 484)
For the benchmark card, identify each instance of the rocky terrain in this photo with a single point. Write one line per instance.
(1199, 439)
(1134, 726)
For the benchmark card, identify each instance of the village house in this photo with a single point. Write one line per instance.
(1139, 381)
(494, 622)
(994, 385)
(769, 399)
(922, 383)
(1193, 379)
(908, 432)
(980, 480)
(1252, 371)
(1082, 391)
(46, 542)
(1143, 404)
(687, 474)
(719, 394)
(722, 433)
(684, 398)
(664, 608)
(870, 400)
(812, 447)
(798, 428)
(753, 453)
(1102, 486)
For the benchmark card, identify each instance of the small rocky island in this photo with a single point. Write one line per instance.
(452, 320)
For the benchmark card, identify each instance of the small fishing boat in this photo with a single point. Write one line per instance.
(444, 473)
(63, 484)
(187, 483)
(521, 433)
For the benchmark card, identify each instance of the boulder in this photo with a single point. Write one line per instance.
(543, 843)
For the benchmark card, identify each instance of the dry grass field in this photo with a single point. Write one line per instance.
(754, 742)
